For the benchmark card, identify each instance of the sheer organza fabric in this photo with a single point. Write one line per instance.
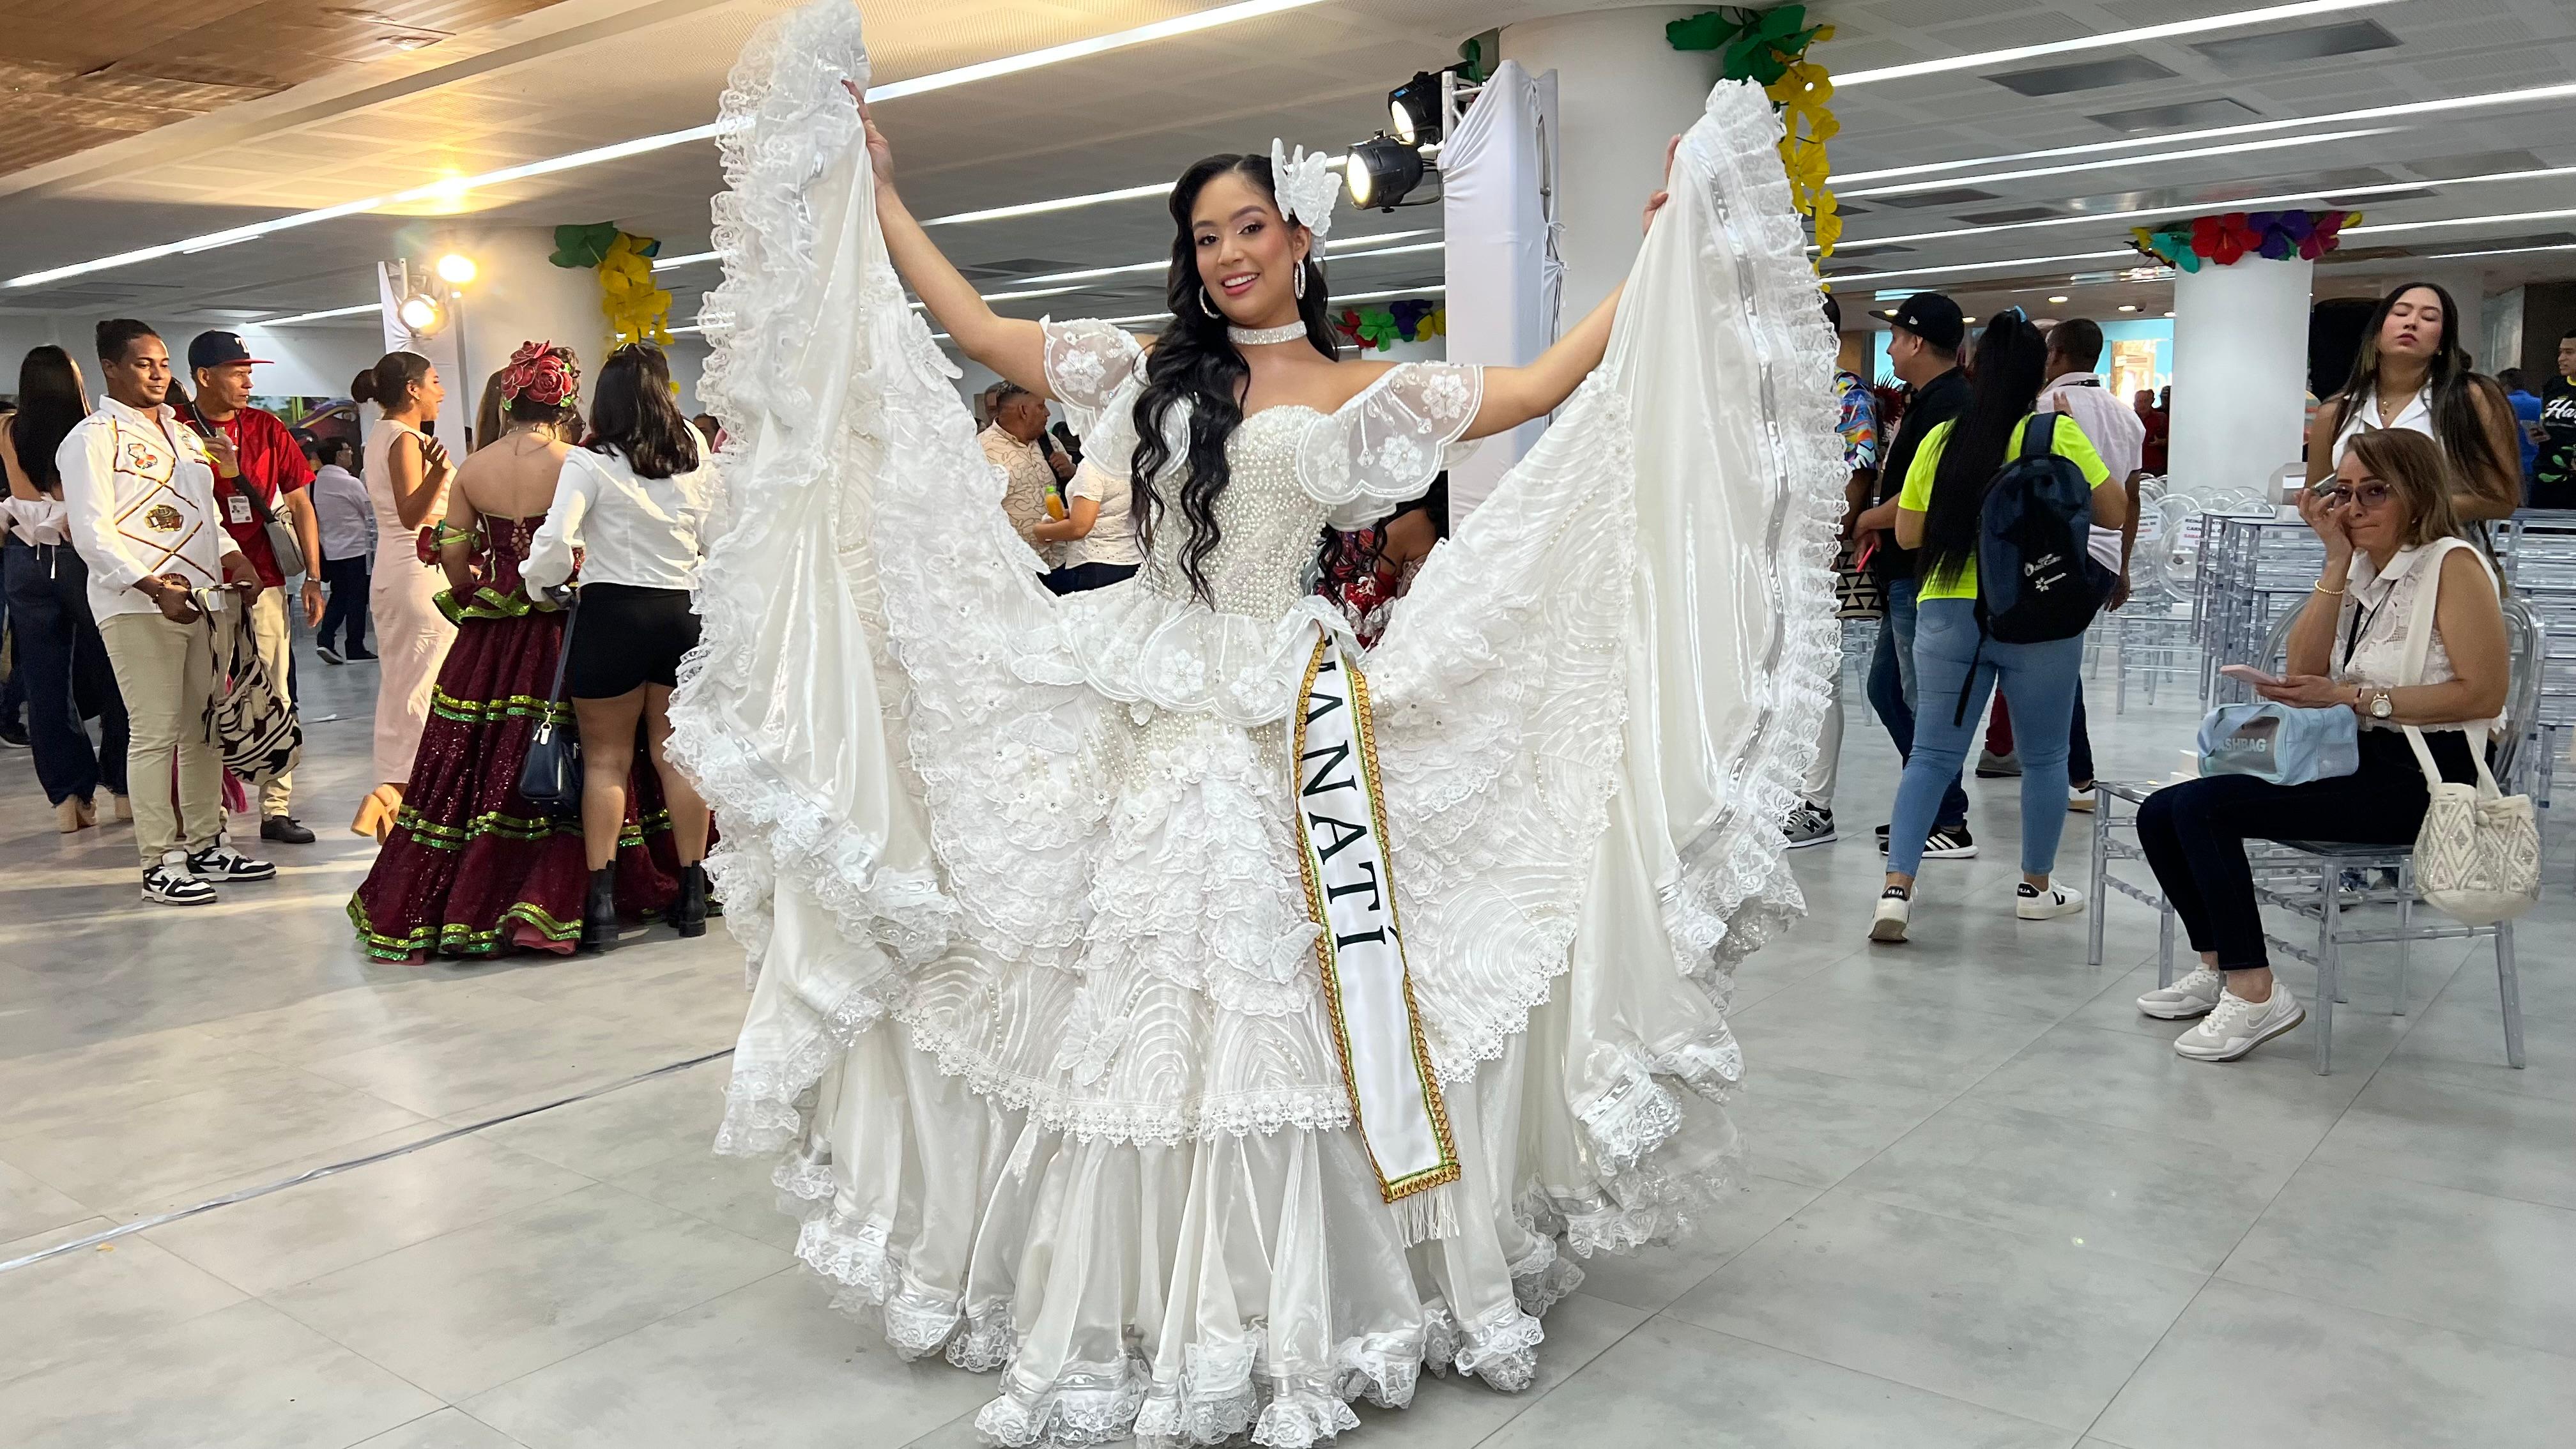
(1036, 1030)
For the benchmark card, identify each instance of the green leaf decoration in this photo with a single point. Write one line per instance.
(583, 246)
(1707, 30)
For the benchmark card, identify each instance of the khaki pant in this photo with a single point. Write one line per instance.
(275, 643)
(166, 672)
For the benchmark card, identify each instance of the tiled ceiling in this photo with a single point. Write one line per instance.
(582, 73)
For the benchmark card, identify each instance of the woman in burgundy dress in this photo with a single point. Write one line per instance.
(471, 868)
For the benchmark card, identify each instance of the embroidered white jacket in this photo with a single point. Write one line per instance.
(139, 493)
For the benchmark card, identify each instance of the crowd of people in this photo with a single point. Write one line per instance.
(2404, 461)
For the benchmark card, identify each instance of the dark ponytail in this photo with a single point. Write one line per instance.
(390, 383)
(1193, 363)
(2004, 379)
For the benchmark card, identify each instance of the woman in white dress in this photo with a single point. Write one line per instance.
(407, 473)
(1076, 1059)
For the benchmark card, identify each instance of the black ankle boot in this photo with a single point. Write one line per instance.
(599, 912)
(689, 907)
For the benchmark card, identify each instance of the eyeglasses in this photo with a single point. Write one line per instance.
(2366, 495)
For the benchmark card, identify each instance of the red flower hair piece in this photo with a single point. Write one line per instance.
(542, 373)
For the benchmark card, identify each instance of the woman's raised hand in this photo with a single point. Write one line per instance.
(880, 150)
(2320, 507)
(1655, 203)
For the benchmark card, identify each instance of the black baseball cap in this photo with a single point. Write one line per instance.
(218, 349)
(1929, 315)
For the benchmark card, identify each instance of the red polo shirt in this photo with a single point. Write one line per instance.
(272, 462)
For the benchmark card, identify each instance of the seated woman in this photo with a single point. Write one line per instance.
(2388, 525)
(1098, 533)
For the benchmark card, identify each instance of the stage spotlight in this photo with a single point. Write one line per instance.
(457, 268)
(422, 314)
(1381, 171)
(1415, 108)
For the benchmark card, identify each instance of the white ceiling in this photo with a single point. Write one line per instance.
(583, 73)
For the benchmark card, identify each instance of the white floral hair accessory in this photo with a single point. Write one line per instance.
(1306, 189)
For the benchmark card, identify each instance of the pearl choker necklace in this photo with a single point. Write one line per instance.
(1257, 336)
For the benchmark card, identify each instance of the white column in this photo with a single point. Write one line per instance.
(1622, 93)
(2240, 374)
(518, 295)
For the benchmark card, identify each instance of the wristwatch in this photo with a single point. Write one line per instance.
(2381, 705)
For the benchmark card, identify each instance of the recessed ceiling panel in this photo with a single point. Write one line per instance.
(2260, 53)
(2082, 75)
(2216, 111)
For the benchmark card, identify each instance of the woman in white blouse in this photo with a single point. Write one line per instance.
(1098, 533)
(631, 502)
(2412, 375)
(2388, 528)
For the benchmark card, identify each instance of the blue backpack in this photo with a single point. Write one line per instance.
(2036, 578)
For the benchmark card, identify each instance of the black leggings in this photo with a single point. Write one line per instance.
(2194, 833)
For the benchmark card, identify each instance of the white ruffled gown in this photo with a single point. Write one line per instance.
(1036, 1025)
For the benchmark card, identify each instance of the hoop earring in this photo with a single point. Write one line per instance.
(1206, 306)
(1301, 281)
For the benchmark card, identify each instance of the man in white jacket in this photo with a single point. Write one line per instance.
(139, 496)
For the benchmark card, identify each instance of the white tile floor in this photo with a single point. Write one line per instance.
(1991, 1208)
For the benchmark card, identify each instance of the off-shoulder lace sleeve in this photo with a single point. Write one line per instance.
(1088, 363)
(1384, 446)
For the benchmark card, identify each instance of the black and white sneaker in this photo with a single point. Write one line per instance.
(172, 883)
(329, 654)
(2032, 903)
(1809, 824)
(1950, 842)
(1895, 910)
(220, 861)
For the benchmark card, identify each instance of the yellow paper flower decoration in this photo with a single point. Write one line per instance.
(637, 309)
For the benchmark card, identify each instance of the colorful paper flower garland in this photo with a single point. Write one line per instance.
(2229, 238)
(1769, 48)
(1379, 328)
(637, 310)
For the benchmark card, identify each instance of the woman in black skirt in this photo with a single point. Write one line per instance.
(632, 500)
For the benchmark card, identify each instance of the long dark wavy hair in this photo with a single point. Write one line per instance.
(2453, 377)
(632, 414)
(1194, 366)
(2004, 378)
(51, 402)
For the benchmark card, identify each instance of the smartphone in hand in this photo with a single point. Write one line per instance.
(2248, 673)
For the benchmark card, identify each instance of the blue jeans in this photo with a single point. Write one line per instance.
(2038, 682)
(1892, 692)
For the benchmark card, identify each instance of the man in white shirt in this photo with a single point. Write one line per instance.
(139, 497)
(2116, 432)
(348, 523)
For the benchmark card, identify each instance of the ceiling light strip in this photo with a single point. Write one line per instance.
(455, 187)
(1852, 278)
(2168, 31)
(321, 316)
(2382, 228)
(2501, 252)
(2250, 203)
(2526, 96)
(2277, 143)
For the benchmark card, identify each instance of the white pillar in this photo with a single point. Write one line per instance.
(2240, 374)
(1622, 93)
(518, 295)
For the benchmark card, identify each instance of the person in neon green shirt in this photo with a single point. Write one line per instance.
(1954, 665)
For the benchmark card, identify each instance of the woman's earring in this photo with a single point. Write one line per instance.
(1205, 305)
(1301, 281)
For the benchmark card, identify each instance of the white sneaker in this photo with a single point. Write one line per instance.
(2033, 904)
(2237, 1026)
(171, 883)
(222, 862)
(1895, 908)
(2192, 996)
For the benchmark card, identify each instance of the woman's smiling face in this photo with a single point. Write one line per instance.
(1248, 254)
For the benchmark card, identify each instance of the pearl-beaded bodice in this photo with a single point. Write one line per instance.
(1268, 523)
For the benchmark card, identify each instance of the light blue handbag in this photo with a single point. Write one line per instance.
(2282, 743)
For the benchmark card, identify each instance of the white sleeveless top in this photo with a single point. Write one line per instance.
(2363, 417)
(2377, 619)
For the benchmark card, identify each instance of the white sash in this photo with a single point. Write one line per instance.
(1350, 893)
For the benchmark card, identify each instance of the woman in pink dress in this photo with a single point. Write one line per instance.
(407, 474)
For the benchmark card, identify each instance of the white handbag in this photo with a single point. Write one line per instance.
(2477, 858)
